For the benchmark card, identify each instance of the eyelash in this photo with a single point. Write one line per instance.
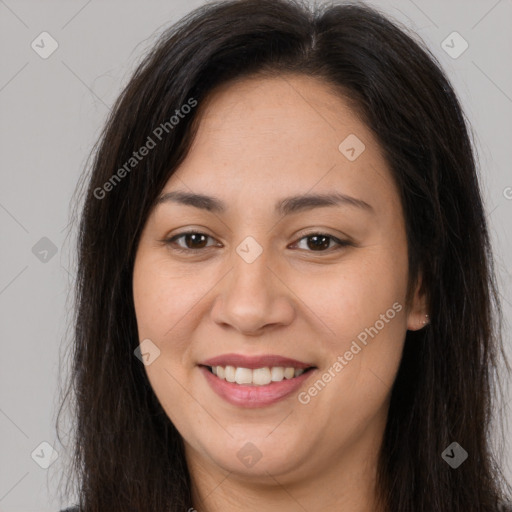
(170, 241)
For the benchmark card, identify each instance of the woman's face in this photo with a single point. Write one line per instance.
(266, 278)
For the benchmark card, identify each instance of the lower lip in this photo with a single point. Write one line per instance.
(253, 396)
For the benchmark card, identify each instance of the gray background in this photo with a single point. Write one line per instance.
(52, 111)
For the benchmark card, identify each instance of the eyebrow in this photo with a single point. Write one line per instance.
(286, 206)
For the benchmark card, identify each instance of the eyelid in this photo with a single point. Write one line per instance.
(342, 238)
(169, 240)
(340, 243)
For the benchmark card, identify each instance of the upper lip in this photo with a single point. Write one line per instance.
(253, 362)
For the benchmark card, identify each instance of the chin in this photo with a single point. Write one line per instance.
(257, 458)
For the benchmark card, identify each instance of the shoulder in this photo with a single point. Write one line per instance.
(70, 509)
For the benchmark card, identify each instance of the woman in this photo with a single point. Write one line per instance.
(285, 297)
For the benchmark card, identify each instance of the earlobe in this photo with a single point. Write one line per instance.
(418, 318)
(417, 321)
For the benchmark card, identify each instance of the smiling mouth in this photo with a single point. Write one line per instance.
(258, 376)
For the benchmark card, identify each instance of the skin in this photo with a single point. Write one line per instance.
(260, 140)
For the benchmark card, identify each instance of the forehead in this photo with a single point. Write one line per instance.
(259, 137)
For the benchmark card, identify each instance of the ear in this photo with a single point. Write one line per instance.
(418, 316)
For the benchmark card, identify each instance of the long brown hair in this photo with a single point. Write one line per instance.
(128, 456)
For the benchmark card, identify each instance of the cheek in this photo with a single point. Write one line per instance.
(362, 310)
(162, 301)
(163, 296)
(355, 294)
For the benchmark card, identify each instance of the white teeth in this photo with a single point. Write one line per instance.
(289, 373)
(243, 376)
(230, 373)
(256, 377)
(277, 373)
(261, 377)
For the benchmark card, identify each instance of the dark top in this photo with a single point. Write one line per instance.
(505, 507)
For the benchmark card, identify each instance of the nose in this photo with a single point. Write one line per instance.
(253, 298)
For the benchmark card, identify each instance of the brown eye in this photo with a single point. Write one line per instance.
(318, 242)
(321, 242)
(193, 240)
